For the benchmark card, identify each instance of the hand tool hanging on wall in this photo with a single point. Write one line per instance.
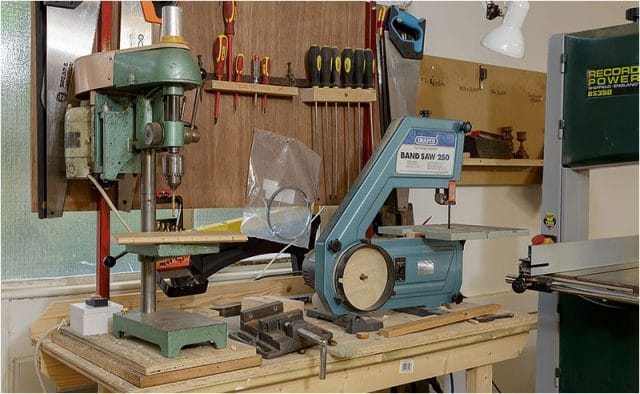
(347, 82)
(314, 63)
(229, 16)
(265, 69)
(325, 81)
(335, 83)
(358, 76)
(54, 61)
(219, 56)
(369, 72)
(238, 66)
(255, 73)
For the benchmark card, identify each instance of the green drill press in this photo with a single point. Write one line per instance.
(134, 112)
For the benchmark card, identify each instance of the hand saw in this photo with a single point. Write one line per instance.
(65, 31)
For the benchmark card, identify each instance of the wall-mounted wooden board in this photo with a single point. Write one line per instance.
(510, 97)
(216, 167)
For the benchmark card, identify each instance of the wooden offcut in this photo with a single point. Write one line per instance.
(288, 304)
(141, 364)
(438, 320)
(181, 237)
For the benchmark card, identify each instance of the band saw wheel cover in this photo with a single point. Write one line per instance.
(364, 277)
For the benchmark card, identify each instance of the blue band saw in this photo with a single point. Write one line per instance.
(353, 274)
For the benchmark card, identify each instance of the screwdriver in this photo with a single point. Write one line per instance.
(347, 82)
(229, 15)
(326, 66)
(335, 83)
(358, 76)
(255, 74)
(265, 67)
(369, 71)
(219, 55)
(238, 66)
(314, 62)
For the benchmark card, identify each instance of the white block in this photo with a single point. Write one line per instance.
(89, 320)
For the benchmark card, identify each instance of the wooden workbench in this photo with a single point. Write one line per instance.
(353, 364)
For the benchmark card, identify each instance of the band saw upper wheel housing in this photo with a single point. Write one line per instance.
(364, 277)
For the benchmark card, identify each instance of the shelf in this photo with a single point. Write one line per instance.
(250, 88)
(339, 95)
(481, 162)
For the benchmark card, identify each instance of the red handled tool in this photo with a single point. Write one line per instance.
(265, 68)
(229, 15)
(238, 66)
(219, 56)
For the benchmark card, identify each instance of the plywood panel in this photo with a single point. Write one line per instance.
(509, 97)
(216, 167)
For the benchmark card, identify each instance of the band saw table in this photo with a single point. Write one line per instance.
(353, 364)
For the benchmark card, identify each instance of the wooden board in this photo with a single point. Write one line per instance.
(511, 97)
(216, 167)
(182, 237)
(250, 88)
(288, 305)
(141, 363)
(438, 321)
(220, 293)
(342, 95)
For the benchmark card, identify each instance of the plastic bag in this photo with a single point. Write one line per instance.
(282, 187)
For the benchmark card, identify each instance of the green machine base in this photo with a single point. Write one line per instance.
(171, 329)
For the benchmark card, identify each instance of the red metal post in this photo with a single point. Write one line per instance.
(103, 214)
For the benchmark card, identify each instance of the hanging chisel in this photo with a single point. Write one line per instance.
(265, 68)
(347, 82)
(358, 76)
(335, 83)
(255, 74)
(219, 55)
(238, 66)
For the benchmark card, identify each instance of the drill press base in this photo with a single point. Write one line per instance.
(171, 329)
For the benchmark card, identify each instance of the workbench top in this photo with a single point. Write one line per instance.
(353, 364)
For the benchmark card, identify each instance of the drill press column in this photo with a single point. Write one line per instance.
(148, 223)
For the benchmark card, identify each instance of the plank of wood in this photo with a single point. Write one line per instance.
(146, 359)
(340, 95)
(250, 88)
(438, 320)
(479, 379)
(181, 237)
(114, 363)
(62, 375)
(220, 293)
(288, 304)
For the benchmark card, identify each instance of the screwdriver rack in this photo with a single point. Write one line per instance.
(250, 88)
(340, 95)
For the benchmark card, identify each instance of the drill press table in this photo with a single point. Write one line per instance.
(353, 364)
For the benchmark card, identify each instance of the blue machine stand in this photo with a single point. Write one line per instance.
(352, 274)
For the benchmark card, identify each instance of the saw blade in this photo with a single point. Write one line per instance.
(70, 34)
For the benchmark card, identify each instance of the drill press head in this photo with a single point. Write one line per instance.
(138, 96)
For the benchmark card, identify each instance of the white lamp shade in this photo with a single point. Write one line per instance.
(507, 38)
